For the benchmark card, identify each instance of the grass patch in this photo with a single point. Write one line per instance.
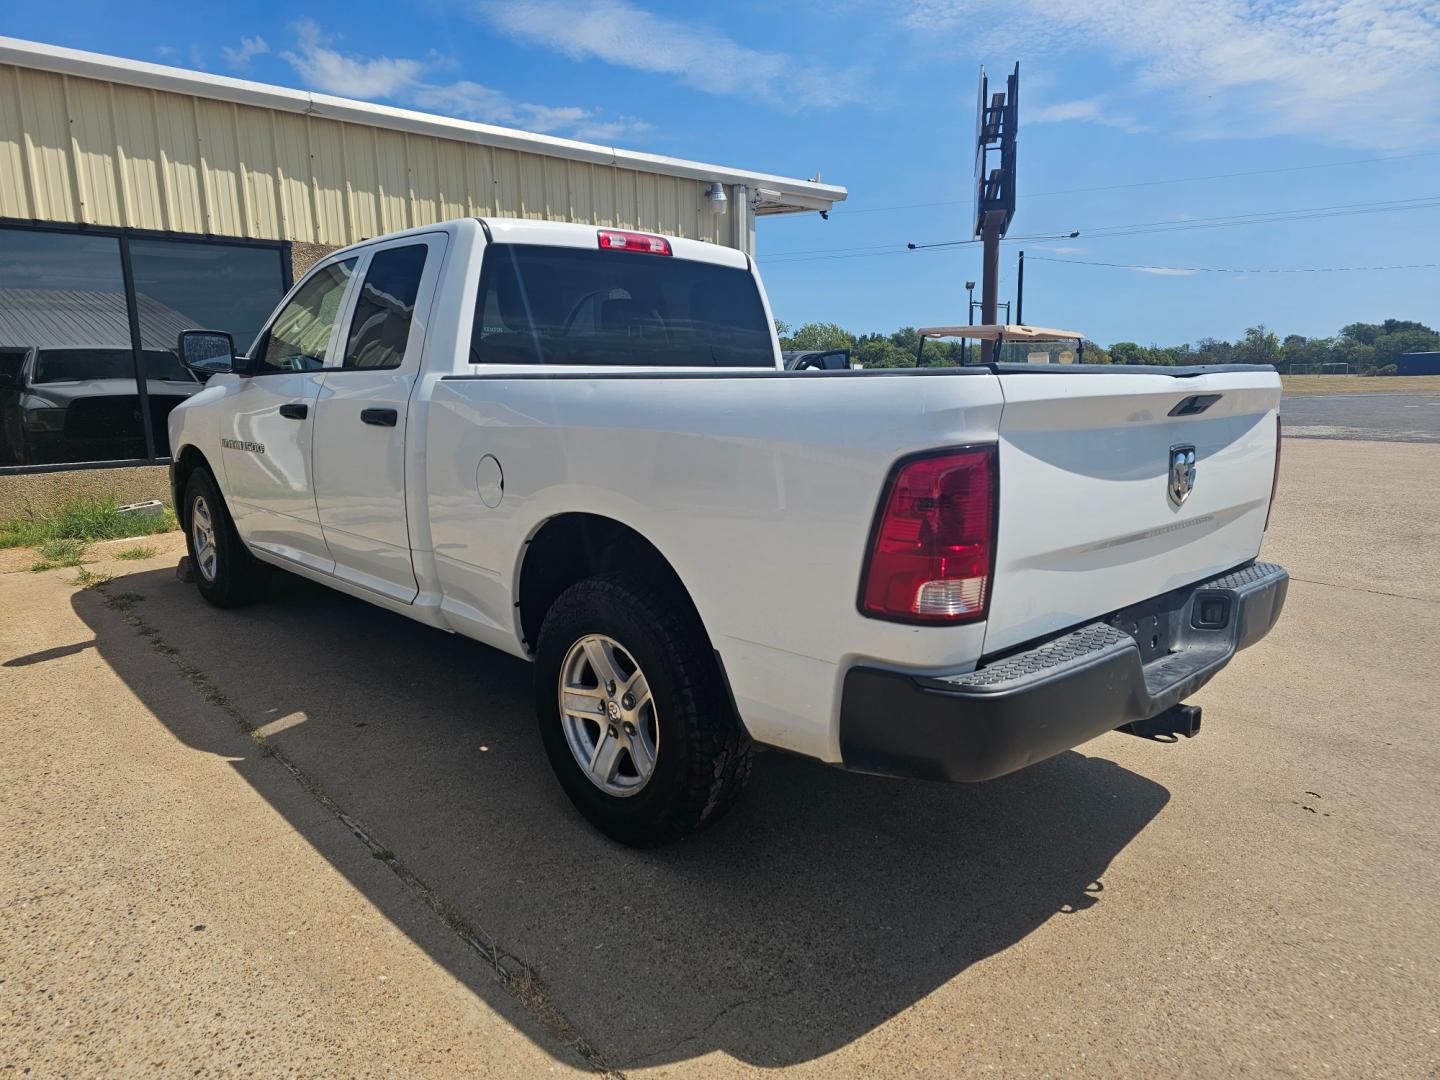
(83, 519)
(144, 552)
(55, 553)
(1355, 384)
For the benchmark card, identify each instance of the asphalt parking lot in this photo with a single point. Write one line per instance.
(1386, 417)
(181, 896)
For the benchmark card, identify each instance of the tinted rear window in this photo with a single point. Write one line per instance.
(549, 305)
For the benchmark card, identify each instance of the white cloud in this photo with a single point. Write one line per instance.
(617, 32)
(1357, 71)
(1064, 110)
(350, 76)
(609, 131)
(1089, 110)
(402, 80)
(474, 101)
(1163, 271)
(239, 58)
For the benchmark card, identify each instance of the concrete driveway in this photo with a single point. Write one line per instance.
(1257, 900)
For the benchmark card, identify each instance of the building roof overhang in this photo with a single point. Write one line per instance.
(769, 194)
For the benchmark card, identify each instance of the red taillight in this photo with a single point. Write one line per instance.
(612, 240)
(934, 542)
(1275, 476)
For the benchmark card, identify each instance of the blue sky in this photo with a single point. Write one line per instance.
(879, 96)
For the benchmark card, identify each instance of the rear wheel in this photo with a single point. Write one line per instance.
(633, 713)
(225, 571)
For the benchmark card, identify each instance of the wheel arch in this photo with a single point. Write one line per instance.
(186, 462)
(570, 547)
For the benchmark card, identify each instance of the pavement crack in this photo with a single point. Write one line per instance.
(517, 977)
(700, 1032)
(1372, 592)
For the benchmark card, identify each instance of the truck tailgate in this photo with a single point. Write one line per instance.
(1088, 524)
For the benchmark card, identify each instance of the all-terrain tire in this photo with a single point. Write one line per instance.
(704, 756)
(233, 577)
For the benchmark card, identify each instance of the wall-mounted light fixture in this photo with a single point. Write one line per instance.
(718, 198)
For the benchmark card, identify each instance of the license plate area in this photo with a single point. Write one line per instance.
(1151, 623)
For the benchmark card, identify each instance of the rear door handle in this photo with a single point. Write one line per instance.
(294, 410)
(379, 417)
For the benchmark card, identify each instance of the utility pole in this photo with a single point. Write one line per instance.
(969, 317)
(1020, 292)
(990, 275)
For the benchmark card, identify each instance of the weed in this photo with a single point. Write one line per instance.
(145, 552)
(125, 601)
(82, 519)
(55, 553)
(91, 579)
(383, 853)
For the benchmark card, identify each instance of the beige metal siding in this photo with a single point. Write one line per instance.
(80, 150)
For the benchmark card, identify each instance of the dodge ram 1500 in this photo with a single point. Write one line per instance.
(581, 445)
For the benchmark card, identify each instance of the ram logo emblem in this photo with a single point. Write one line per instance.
(1182, 472)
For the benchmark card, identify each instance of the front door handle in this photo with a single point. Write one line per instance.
(294, 410)
(379, 417)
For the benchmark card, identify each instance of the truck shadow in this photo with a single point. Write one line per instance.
(825, 905)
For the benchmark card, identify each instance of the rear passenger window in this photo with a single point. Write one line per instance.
(386, 306)
(554, 305)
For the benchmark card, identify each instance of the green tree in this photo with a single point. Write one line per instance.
(1363, 346)
(1259, 347)
(1389, 346)
(1360, 333)
(820, 336)
(1126, 352)
(1209, 350)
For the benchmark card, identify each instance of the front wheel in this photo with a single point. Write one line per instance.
(225, 571)
(633, 713)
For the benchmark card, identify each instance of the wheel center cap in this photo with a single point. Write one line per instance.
(614, 710)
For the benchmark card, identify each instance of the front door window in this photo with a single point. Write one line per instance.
(301, 332)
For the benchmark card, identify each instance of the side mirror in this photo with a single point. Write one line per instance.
(835, 360)
(206, 352)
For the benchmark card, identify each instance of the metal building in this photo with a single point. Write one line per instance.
(1418, 363)
(146, 188)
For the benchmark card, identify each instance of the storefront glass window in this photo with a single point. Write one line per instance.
(67, 370)
(68, 391)
(196, 286)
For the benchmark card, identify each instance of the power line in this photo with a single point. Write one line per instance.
(1012, 239)
(846, 212)
(1235, 270)
(1257, 217)
(1143, 228)
(1263, 217)
(1231, 175)
(867, 251)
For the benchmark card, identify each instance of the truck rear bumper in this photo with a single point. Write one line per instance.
(1053, 695)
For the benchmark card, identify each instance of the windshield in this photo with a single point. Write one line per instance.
(83, 365)
(1038, 352)
(550, 305)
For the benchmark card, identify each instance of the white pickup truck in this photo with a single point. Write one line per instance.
(581, 446)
